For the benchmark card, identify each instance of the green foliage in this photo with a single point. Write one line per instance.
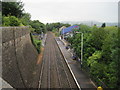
(11, 21)
(12, 8)
(97, 38)
(6, 21)
(84, 28)
(56, 32)
(25, 19)
(14, 21)
(38, 26)
(94, 58)
(53, 26)
(100, 53)
(13, 16)
(36, 43)
(32, 30)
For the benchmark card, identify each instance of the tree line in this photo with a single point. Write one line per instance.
(100, 53)
(13, 14)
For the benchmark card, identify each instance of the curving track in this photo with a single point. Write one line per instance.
(54, 71)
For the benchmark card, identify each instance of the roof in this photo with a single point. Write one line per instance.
(69, 29)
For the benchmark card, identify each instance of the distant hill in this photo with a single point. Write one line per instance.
(90, 23)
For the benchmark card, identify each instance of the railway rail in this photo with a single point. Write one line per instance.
(55, 72)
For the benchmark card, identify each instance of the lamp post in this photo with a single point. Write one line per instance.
(81, 46)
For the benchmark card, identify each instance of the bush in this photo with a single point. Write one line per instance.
(100, 54)
(6, 21)
(11, 21)
(36, 43)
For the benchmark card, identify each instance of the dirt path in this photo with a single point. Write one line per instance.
(39, 59)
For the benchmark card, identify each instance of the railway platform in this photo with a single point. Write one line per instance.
(82, 78)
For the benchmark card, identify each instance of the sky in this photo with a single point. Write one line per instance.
(48, 11)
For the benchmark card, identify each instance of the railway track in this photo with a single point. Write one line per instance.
(54, 71)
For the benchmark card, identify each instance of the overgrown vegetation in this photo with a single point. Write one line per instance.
(36, 43)
(54, 27)
(13, 15)
(100, 53)
(11, 21)
(12, 8)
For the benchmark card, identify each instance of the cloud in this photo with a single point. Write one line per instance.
(72, 11)
(70, 1)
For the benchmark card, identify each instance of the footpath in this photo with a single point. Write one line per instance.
(44, 39)
(82, 79)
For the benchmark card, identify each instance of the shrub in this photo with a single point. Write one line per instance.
(36, 43)
(11, 21)
(6, 21)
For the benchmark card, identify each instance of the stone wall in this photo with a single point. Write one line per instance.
(19, 58)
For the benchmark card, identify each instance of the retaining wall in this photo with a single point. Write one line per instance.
(19, 58)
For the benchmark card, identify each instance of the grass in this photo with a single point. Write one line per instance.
(36, 42)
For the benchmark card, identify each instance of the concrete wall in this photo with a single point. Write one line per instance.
(19, 58)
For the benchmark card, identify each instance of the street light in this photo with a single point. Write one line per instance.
(81, 46)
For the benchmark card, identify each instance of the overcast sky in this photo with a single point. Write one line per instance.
(48, 11)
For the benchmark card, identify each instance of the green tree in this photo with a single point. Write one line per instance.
(25, 19)
(11, 21)
(38, 26)
(52, 26)
(100, 54)
(12, 8)
(103, 25)
(97, 38)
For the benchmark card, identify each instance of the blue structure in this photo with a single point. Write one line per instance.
(69, 29)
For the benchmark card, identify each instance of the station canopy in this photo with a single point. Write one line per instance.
(69, 29)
